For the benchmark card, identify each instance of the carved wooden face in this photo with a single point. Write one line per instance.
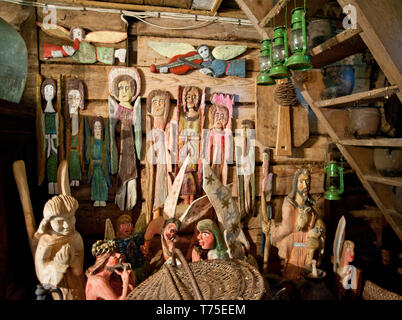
(170, 231)
(349, 255)
(49, 92)
(63, 224)
(114, 259)
(77, 34)
(74, 100)
(206, 239)
(204, 52)
(303, 185)
(192, 99)
(221, 117)
(158, 106)
(125, 228)
(126, 92)
(98, 130)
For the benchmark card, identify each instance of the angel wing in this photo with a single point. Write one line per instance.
(137, 126)
(109, 230)
(169, 208)
(228, 52)
(338, 241)
(170, 49)
(227, 212)
(54, 30)
(196, 211)
(112, 127)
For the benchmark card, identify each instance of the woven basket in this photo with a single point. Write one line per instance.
(217, 280)
(374, 292)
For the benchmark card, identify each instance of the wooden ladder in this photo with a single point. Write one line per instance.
(378, 29)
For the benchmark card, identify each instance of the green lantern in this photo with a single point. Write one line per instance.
(279, 54)
(332, 173)
(298, 42)
(265, 64)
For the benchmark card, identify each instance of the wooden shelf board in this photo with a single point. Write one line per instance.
(380, 142)
(342, 45)
(394, 218)
(376, 177)
(360, 97)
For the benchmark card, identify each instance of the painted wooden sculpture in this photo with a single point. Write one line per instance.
(125, 87)
(110, 278)
(128, 244)
(97, 156)
(49, 133)
(245, 167)
(75, 98)
(217, 142)
(157, 132)
(343, 251)
(184, 57)
(300, 236)
(59, 255)
(82, 50)
(190, 120)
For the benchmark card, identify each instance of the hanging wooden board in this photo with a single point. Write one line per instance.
(283, 132)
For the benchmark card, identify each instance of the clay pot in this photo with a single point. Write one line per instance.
(319, 31)
(364, 121)
(388, 161)
(339, 81)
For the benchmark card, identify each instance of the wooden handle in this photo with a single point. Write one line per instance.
(63, 180)
(23, 190)
(284, 136)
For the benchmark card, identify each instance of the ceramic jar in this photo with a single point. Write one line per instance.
(364, 121)
(388, 161)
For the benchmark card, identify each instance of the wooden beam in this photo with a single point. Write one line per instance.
(392, 181)
(252, 17)
(380, 142)
(360, 97)
(343, 45)
(216, 6)
(272, 13)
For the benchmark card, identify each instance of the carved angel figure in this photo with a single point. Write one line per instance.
(74, 141)
(59, 255)
(184, 57)
(82, 50)
(125, 87)
(158, 145)
(97, 156)
(48, 130)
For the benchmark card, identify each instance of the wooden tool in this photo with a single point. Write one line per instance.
(284, 136)
(23, 190)
(63, 180)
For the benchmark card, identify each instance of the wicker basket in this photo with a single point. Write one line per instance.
(374, 292)
(217, 280)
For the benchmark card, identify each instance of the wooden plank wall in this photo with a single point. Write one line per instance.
(90, 220)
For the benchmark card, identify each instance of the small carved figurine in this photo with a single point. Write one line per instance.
(97, 155)
(74, 140)
(125, 87)
(110, 278)
(59, 256)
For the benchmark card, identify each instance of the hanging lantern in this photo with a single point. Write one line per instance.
(333, 173)
(298, 42)
(279, 54)
(265, 64)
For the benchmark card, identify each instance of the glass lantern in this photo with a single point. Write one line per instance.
(298, 42)
(279, 54)
(265, 64)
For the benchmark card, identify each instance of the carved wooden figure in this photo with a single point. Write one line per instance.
(157, 131)
(49, 132)
(82, 50)
(190, 120)
(59, 255)
(245, 166)
(97, 156)
(125, 87)
(217, 143)
(75, 98)
(110, 278)
(184, 57)
(300, 236)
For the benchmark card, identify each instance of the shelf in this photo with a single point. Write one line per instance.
(342, 45)
(376, 177)
(360, 97)
(380, 142)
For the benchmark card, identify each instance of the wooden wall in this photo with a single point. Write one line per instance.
(90, 220)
